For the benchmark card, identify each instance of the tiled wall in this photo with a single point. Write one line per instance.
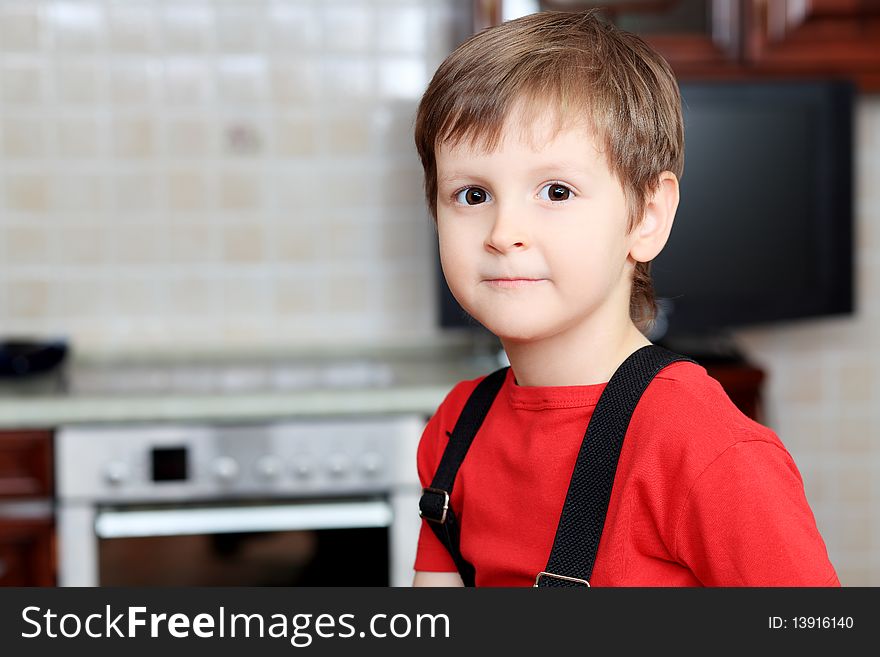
(216, 171)
(225, 172)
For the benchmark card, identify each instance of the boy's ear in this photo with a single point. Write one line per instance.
(649, 237)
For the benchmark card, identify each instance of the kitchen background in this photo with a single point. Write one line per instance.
(225, 175)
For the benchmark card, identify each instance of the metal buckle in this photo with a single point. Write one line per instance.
(445, 495)
(564, 578)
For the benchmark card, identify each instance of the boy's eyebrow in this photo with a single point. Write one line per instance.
(565, 168)
(550, 169)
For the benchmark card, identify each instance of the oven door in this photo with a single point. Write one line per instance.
(339, 542)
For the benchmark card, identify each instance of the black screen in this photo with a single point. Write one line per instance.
(763, 229)
(169, 463)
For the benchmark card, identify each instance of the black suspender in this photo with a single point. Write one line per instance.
(586, 504)
(434, 504)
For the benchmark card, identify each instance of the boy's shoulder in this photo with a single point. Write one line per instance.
(690, 410)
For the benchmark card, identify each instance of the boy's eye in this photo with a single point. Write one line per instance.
(472, 196)
(555, 192)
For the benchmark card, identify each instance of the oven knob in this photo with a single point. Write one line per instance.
(371, 463)
(226, 469)
(302, 467)
(269, 467)
(338, 465)
(116, 473)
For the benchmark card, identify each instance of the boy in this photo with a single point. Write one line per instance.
(552, 147)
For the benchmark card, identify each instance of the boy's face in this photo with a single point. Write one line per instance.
(533, 235)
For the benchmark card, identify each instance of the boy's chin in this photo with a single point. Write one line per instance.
(521, 330)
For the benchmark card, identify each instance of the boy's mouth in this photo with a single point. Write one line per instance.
(513, 282)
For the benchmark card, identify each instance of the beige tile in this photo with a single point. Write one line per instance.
(347, 28)
(193, 295)
(339, 186)
(79, 297)
(802, 432)
(240, 191)
(348, 136)
(856, 486)
(293, 243)
(78, 137)
(79, 193)
(855, 434)
(27, 298)
(138, 244)
(347, 78)
(242, 80)
(187, 190)
(403, 239)
(238, 28)
(195, 241)
(23, 138)
(293, 27)
(348, 293)
(244, 243)
(245, 296)
(132, 27)
(27, 245)
(859, 381)
(345, 240)
(295, 82)
(134, 137)
(402, 185)
(190, 138)
(135, 298)
(20, 28)
(134, 193)
(76, 27)
(27, 192)
(401, 29)
(186, 27)
(295, 296)
(402, 291)
(22, 84)
(403, 78)
(854, 531)
(188, 81)
(80, 244)
(803, 384)
(80, 84)
(296, 137)
(135, 82)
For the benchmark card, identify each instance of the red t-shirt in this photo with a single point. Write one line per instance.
(703, 495)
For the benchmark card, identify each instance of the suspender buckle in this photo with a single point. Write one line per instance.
(564, 580)
(427, 516)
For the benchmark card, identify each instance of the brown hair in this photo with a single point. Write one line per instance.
(589, 71)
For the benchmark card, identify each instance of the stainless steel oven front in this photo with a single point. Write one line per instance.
(307, 502)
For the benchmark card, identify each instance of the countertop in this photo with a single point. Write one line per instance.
(225, 387)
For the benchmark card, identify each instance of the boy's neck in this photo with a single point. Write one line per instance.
(576, 357)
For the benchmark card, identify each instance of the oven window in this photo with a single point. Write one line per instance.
(325, 557)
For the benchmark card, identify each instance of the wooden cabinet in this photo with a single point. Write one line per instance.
(743, 39)
(742, 383)
(27, 549)
(27, 533)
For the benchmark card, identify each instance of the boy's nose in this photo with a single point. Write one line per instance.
(508, 233)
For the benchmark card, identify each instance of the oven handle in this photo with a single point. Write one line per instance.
(290, 517)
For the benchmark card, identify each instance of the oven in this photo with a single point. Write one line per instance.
(318, 502)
